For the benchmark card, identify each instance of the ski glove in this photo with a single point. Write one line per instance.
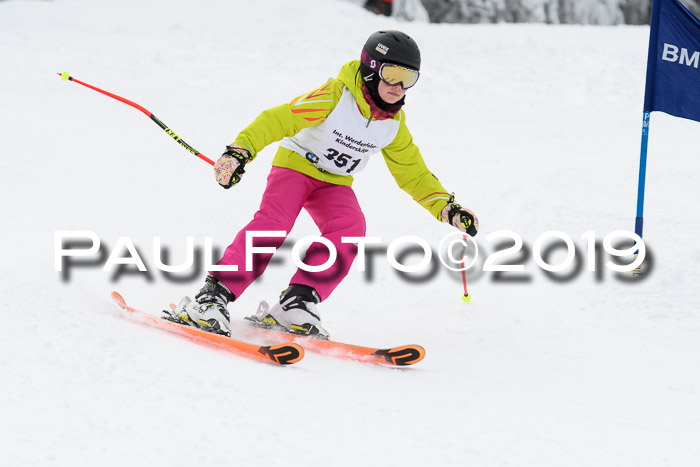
(230, 167)
(462, 218)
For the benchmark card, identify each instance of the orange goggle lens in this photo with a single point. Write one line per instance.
(394, 74)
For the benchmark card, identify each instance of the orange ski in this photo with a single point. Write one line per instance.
(397, 356)
(283, 354)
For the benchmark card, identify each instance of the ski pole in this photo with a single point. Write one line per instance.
(65, 76)
(466, 297)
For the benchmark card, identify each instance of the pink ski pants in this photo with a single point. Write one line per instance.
(334, 209)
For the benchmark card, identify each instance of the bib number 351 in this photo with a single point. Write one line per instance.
(341, 159)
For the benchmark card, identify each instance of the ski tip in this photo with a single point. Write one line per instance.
(285, 354)
(119, 299)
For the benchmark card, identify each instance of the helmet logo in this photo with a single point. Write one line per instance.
(381, 48)
(373, 64)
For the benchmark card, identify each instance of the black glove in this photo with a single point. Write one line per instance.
(231, 166)
(462, 218)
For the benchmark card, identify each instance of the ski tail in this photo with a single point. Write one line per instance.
(405, 355)
(284, 354)
(402, 356)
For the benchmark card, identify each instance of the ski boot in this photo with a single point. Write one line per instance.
(295, 312)
(208, 312)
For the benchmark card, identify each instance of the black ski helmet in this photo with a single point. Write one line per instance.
(395, 47)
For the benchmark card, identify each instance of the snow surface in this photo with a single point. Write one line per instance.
(535, 128)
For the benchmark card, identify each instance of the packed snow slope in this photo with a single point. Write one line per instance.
(535, 128)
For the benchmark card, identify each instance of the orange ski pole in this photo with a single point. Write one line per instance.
(67, 77)
(466, 297)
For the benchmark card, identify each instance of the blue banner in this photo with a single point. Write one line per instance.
(673, 64)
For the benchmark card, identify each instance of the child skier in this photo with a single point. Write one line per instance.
(327, 137)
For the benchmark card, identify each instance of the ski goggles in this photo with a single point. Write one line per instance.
(392, 73)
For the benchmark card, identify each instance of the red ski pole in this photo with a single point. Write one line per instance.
(466, 297)
(67, 77)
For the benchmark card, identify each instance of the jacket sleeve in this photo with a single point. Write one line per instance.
(411, 174)
(289, 119)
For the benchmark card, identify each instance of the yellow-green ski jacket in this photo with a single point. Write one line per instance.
(310, 120)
